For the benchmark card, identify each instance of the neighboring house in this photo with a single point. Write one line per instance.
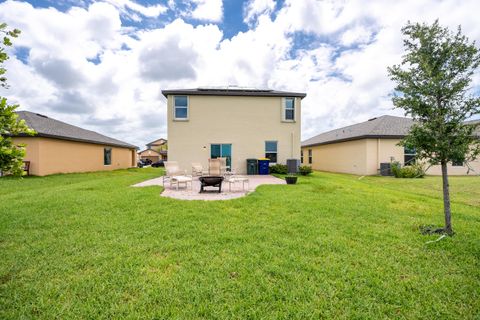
(160, 146)
(234, 123)
(149, 154)
(361, 148)
(59, 147)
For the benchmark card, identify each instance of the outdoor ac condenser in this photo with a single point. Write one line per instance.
(292, 165)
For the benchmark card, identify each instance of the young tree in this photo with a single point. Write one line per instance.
(432, 86)
(11, 156)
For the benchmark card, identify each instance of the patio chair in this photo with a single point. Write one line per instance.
(214, 167)
(197, 170)
(171, 170)
(223, 165)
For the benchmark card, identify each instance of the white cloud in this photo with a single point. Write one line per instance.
(254, 8)
(356, 35)
(207, 10)
(85, 68)
(152, 11)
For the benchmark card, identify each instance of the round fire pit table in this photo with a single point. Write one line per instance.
(210, 181)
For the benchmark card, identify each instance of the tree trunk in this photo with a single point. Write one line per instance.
(446, 200)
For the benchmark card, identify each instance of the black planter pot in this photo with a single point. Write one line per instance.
(291, 180)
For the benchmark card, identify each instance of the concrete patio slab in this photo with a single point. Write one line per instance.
(193, 192)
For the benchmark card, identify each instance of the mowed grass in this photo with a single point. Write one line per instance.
(333, 246)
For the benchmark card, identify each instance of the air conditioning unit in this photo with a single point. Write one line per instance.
(292, 165)
(386, 169)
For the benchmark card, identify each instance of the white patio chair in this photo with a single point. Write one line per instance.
(171, 170)
(197, 170)
(223, 165)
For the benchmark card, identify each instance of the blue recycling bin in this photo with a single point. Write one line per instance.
(263, 166)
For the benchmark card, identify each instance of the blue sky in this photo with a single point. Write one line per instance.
(102, 64)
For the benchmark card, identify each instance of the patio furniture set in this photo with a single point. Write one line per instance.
(216, 174)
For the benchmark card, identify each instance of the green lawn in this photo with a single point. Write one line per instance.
(332, 246)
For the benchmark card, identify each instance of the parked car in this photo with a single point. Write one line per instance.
(140, 164)
(147, 162)
(158, 164)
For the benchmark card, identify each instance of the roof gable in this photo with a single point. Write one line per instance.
(157, 142)
(149, 152)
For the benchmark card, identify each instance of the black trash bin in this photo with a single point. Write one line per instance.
(252, 166)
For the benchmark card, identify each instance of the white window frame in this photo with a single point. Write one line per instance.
(175, 107)
(310, 156)
(276, 152)
(284, 109)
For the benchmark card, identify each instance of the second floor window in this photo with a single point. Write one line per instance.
(289, 109)
(180, 107)
(271, 151)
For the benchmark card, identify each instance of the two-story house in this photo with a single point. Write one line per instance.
(235, 123)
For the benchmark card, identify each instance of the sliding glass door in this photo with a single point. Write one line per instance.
(218, 150)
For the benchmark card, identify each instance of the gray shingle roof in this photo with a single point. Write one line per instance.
(233, 91)
(381, 127)
(51, 128)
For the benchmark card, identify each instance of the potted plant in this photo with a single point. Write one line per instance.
(291, 179)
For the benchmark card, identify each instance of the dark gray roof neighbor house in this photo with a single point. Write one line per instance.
(59, 147)
(51, 128)
(381, 127)
(364, 148)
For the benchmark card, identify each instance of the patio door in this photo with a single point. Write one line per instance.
(218, 150)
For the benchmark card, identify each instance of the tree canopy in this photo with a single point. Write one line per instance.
(11, 155)
(433, 87)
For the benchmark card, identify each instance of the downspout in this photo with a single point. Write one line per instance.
(291, 146)
(378, 156)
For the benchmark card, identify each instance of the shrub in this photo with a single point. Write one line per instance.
(279, 168)
(412, 171)
(305, 170)
(396, 168)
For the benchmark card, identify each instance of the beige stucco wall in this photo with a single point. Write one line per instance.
(49, 156)
(347, 157)
(244, 122)
(381, 151)
(363, 157)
